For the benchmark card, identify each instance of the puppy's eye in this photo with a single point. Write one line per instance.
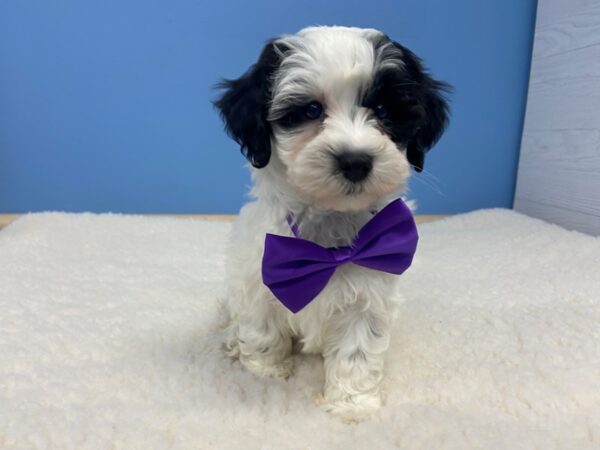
(380, 112)
(313, 111)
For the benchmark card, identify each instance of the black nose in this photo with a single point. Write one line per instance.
(354, 166)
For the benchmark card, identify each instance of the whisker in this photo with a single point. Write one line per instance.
(431, 181)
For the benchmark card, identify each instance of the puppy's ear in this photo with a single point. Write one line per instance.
(429, 96)
(244, 105)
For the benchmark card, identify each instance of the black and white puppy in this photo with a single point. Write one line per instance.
(332, 120)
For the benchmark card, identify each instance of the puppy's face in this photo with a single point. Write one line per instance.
(346, 110)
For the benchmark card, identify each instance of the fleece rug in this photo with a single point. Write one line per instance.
(110, 338)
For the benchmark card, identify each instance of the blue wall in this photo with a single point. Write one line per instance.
(104, 105)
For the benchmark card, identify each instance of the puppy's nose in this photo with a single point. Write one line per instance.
(354, 166)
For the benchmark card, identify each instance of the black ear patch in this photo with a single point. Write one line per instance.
(434, 104)
(244, 107)
(418, 111)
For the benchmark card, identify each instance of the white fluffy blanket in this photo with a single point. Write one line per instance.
(110, 339)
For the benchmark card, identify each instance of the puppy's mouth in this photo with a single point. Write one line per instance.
(354, 189)
(349, 197)
(346, 203)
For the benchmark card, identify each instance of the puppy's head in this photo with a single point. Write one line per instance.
(347, 111)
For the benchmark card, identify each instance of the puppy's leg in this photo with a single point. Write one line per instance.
(355, 343)
(259, 337)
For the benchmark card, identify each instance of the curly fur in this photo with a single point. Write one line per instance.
(351, 73)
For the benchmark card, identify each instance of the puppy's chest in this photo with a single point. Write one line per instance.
(331, 231)
(352, 291)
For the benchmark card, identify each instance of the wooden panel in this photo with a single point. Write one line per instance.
(579, 101)
(551, 213)
(559, 168)
(5, 219)
(575, 29)
(554, 11)
(573, 66)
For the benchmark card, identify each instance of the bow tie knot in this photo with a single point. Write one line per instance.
(342, 254)
(297, 270)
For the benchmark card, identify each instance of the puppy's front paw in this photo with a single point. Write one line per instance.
(232, 348)
(282, 369)
(351, 408)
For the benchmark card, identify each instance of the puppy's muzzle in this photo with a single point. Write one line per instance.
(354, 166)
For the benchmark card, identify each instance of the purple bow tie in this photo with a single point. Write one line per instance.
(296, 270)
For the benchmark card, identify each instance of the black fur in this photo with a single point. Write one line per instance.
(244, 107)
(417, 112)
(293, 116)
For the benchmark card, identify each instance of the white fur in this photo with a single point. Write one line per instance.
(348, 323)
(334, 65)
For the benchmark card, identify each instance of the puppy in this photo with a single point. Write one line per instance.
(332, 120)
